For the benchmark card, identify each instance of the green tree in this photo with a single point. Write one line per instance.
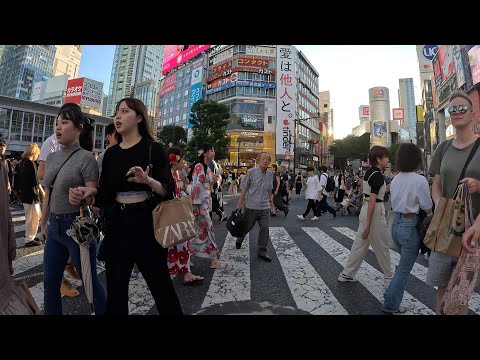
(209, 119)
(350, 147)
(173, 134)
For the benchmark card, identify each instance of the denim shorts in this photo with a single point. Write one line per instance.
(440, 268)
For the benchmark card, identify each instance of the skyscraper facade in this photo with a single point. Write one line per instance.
(67, 60)
(23, 65)
(132, 65)
(406, 98)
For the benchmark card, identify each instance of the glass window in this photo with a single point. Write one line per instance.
(16, 125)
(186, 92)
(27, 127)
(4, 121)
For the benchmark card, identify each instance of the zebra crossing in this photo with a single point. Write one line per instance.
(306, 263)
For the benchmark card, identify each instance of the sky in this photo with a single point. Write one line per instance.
(347, 71)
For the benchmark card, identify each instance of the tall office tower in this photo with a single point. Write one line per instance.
(23, 65)
(132, 65)
(406, 98)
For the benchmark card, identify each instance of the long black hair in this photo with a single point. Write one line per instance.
(72, 112)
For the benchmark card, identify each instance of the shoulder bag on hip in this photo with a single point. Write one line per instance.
(444, 234)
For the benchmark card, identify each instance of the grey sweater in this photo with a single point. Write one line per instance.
(79, 169)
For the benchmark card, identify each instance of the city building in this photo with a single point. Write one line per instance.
(146, 91)
(181, 87)
(406, 98)
(132, 65)
(104, 104)
(67, 60)
(326, 126)
(24, 122)
(22, 66)
(379, 98)
(50, 91)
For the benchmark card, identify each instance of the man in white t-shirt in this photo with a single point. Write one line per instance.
(50, 145)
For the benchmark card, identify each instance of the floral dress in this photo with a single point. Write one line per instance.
(178, 259)
(204, 244)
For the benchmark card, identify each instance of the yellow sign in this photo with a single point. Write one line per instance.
(420, 117)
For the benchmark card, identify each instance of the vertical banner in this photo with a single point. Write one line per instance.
(286, 100)
(195, 93)
(379, 136)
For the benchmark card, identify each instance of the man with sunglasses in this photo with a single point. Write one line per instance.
(447, 164)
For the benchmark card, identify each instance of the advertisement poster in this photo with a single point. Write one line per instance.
(379, 133)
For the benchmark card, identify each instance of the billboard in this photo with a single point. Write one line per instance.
(226, 55)
(398, 114)
(74, 91)
(378, 93)
(425, 55)
(364, 111)
(168, 84)
(443, 64)
(286, 100)
(459, 70)
(92, 93)
(175, 55)
(379, 135)
(260, 50)
(195, 88)
(38, 90)
(420, 118)
(244, 61)
(84, 91)
(474, 62)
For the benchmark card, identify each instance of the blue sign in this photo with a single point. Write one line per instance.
(257, 84)
(195, 95)
(429, 51)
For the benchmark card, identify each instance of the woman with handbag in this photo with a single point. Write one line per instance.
(454, 161)
(179, 255)
(69, 173)
(202, 179)
(31, 191)
(129, 192)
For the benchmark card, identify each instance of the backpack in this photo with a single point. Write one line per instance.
(330, 183)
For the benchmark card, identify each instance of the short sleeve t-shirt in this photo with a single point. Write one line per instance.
(450, 167)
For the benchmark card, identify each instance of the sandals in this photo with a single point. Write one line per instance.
(220, 265)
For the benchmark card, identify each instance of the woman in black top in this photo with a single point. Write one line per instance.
(125, 192)
(298, 184)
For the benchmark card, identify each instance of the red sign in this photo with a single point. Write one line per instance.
(223, 81)
(218, 70)
(252, 62)
(398, 114)
(74, 91)
(169, 84)
(366, 111)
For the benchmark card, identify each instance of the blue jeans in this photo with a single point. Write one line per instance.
(406, 238)
(58, 248)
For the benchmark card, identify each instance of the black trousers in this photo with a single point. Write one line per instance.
(324, 206)
(313, 205)
(130, 240)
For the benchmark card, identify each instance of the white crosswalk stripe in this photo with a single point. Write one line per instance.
(233, 283)
(309, 291)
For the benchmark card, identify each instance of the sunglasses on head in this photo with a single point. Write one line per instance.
(461, 108)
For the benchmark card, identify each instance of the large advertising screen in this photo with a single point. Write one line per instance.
(474, 61)
(286, 100)
(175, 55)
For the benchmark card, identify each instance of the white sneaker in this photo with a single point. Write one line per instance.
(315, 218)
(301, 217)
(344, 278)
(401, 310)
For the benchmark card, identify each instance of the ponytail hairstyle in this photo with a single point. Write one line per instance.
(205, 147)
(72, 112)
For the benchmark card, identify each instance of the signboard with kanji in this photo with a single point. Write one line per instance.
(286, 100)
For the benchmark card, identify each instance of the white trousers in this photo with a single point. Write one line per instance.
(32, 219)
(377, 238)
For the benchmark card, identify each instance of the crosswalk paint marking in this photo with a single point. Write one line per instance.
(233, 283)
(418, 270)
(368, 276)
(307, 287)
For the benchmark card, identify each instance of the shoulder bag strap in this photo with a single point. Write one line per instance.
(371, 175)
(470, 157)
(53, 182)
